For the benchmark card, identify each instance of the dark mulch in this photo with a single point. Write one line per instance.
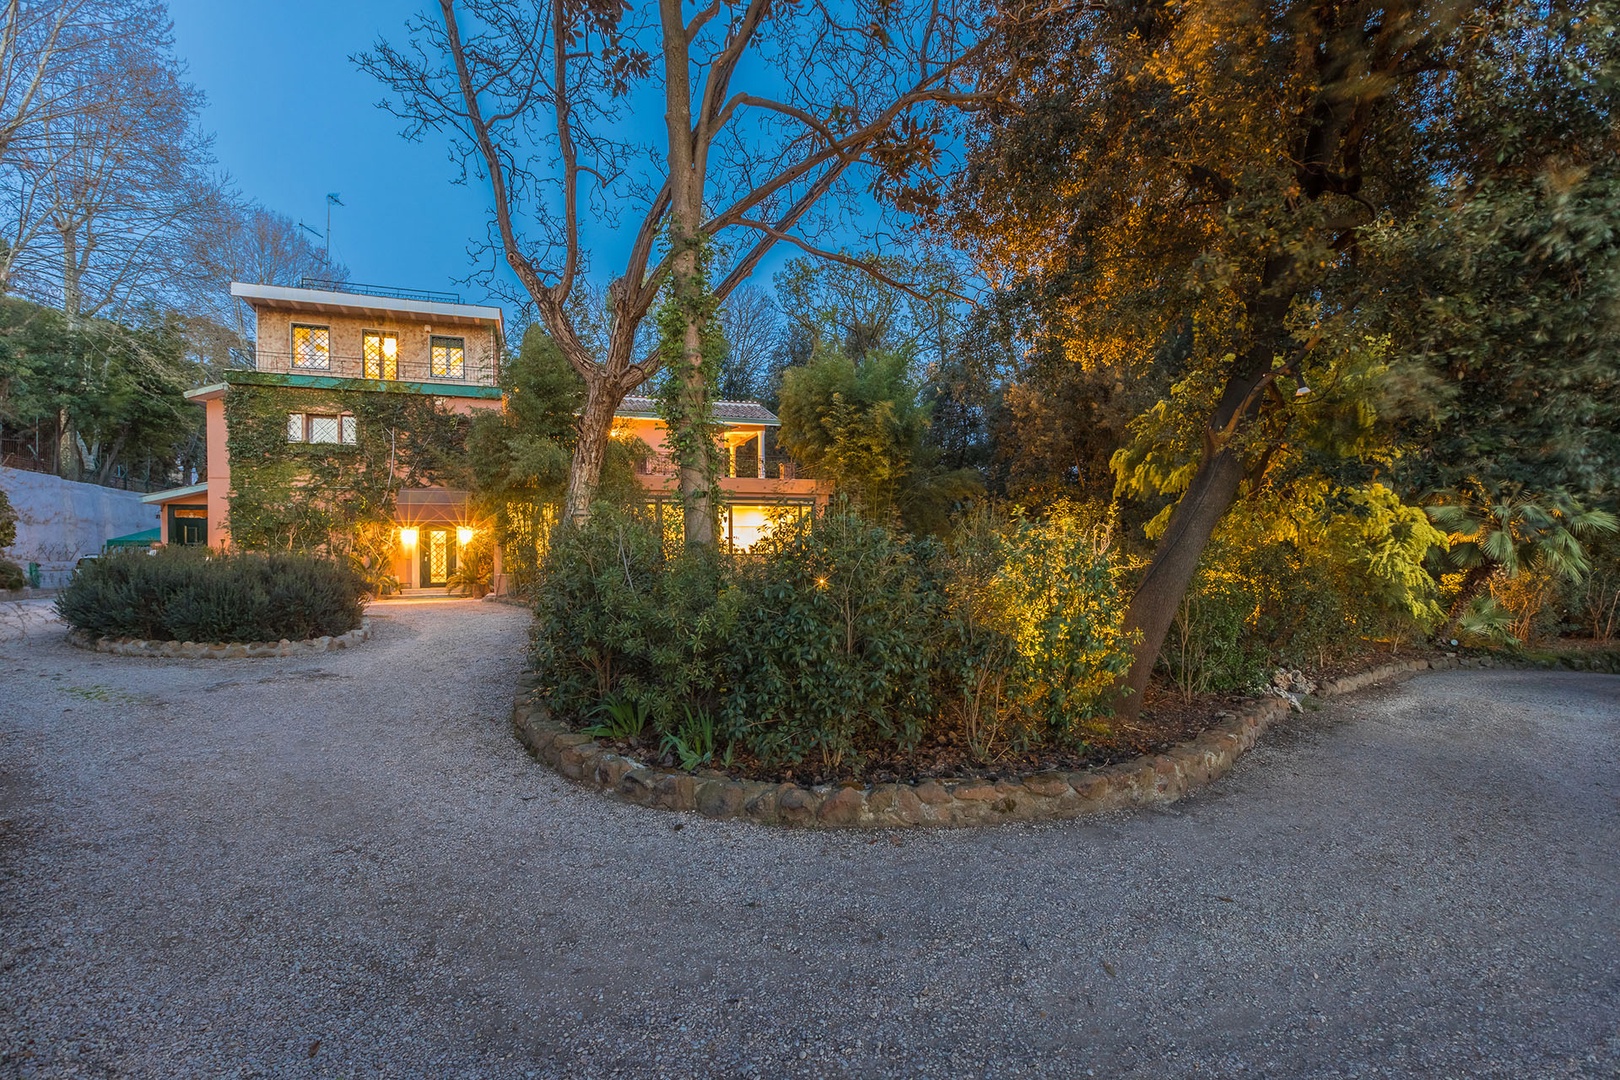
(1167, 718)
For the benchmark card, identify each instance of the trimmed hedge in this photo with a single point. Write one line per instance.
(186, 595)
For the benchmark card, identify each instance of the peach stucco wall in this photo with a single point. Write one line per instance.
(219, 473)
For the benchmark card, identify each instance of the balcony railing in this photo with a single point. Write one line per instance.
(473, 373)
(665, 465)
(354, 288)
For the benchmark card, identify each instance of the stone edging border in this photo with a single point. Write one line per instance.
(196, 650)
(1048, 796)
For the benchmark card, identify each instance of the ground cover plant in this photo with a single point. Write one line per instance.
(186, 595)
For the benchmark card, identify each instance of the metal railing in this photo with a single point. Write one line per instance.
(356, 367)
(426, 296)
(665, 465)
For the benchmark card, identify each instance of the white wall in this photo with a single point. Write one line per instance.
(59, 520)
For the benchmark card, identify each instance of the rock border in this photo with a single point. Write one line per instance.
(951, 802)
(218, 650)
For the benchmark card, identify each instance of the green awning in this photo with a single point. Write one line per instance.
(140, 539)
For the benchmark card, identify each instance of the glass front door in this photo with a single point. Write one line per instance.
(438, 557)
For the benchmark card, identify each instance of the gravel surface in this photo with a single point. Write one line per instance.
(343, 865)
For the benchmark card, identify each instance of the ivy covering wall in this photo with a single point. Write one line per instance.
(333, 497)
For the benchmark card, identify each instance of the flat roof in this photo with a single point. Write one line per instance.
(175, 493)
(288, 298)
(749, 413)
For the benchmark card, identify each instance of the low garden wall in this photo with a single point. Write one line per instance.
(1152, 778)
(198, 650)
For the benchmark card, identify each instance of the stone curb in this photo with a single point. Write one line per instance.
(951, 802)
(194, 650)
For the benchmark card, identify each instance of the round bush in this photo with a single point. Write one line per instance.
(187, 595)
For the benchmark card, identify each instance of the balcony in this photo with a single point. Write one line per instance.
(402, 369)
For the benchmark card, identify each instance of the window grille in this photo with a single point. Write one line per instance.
(311, 347)
(295, 427)
(349, 430)
(381, 354)
(323, 429)
(449, 358)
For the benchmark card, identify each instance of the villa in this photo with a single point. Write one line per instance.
(321, 344)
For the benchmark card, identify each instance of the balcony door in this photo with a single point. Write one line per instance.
(381, 354)
(438, 557)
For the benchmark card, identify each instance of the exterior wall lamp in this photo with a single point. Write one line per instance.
(464, 535)
(407, 538)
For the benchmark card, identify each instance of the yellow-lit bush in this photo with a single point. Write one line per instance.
(1301, 579)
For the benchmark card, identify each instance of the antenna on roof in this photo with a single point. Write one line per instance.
(331, 201)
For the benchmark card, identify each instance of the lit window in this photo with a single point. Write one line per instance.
(295, 427)
(381, 352)
(311, 347)
(449, 358)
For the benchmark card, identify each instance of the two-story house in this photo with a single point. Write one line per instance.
(317, 348)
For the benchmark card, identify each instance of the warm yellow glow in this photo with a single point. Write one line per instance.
(464, 535)
(748, 524)
(407, 537)
(390, 346)
(821, 583)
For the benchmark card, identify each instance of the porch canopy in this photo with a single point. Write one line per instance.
(432, 506)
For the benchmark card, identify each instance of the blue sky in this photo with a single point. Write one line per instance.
(294, 119)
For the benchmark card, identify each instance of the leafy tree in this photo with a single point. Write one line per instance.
(1191, 195)
(110, 395)
(1501, 295)
(863, 428)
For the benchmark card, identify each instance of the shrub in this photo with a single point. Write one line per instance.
(617, 619)
(1033, 641)
(8, 522)
(187, 595)
(835, 640)
(12, 576)
(834, 643)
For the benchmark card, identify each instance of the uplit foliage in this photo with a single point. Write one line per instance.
(1309, 574)
(520, 455)
(1035, 619)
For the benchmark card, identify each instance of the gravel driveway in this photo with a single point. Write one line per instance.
(345, 866)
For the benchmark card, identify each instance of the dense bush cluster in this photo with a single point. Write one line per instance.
(834, 640)
(186, 595)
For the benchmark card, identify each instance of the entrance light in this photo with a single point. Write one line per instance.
(407, 537)
(464, 535)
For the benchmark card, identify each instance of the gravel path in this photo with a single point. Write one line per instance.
(344, 866)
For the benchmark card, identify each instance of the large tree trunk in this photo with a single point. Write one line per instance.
(1213, 490)
(585, 469)
(686, 159)
(1153, 606)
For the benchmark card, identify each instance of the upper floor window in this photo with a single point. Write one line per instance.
(380, 351)
(449, 358)
(318, 428)
(312, 347)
